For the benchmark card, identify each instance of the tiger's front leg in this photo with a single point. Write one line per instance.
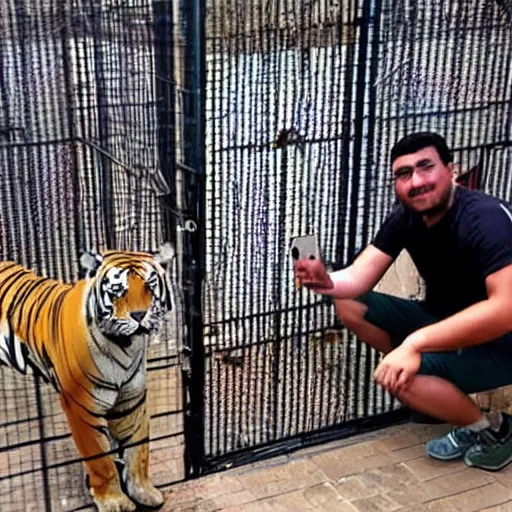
(134, 429)
(89, 435)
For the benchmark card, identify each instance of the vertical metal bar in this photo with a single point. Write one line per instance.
(356, 165)
(346, 122)
(342, 252)
(72, 122)
(210, 236)
(44, 460)
(165, 94)
(358, 124)
(107, 197)
(194, 239)
(374, 57)
(277, 344)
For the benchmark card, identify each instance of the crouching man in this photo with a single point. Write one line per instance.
(458, 340)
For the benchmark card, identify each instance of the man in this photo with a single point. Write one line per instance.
(456, 342)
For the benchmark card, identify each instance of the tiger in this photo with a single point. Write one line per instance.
(86, 340)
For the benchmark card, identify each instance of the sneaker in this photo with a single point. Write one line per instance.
(491, 452)
(453, 445)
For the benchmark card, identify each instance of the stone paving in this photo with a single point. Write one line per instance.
(382, 471)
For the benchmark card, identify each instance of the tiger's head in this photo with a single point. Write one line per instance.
(129, 292)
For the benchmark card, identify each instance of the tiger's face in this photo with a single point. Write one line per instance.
(130, 295)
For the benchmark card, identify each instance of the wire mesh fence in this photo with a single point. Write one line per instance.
(87, 160)
(304, 101)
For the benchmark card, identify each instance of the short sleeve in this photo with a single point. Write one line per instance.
(491, 238)
(391, 236)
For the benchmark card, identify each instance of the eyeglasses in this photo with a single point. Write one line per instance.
(405, 173)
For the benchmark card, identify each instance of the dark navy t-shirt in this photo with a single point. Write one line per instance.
(454, 256)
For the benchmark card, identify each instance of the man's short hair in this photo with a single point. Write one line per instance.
(415, 141)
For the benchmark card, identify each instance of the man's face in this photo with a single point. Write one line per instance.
(423, 182)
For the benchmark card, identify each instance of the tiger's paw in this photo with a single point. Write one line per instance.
(117, 503)
(146, 495)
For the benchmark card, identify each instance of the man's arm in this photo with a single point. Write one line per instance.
(350, 282)
(479, 323)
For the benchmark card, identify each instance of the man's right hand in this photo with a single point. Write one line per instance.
(313, 275)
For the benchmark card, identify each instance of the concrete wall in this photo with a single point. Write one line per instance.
(402, 279)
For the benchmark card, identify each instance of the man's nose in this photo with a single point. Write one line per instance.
(417, 179)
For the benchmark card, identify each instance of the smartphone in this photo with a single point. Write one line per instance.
(305, 247)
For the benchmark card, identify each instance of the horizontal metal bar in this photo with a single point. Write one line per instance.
(439, 113)
(266, 314)
(79, 460)
(50, 142)
(294, 443)
(163, 358)
(51, 439)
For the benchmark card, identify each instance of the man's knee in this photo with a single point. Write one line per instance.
(351, 313)
(435, 364)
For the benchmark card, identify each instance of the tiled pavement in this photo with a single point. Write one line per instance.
(378, 472)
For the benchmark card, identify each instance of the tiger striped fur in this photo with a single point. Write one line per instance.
(86, 340)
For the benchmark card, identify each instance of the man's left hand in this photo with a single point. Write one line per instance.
(398, 367)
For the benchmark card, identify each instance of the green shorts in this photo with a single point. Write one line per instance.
(472, 369)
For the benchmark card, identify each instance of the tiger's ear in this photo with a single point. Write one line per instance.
(90, 262)
(165, 254)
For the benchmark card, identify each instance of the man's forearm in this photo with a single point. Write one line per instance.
(346, 285)
(480, 323)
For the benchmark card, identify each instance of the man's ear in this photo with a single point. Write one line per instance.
(165, 254)
(90, 262)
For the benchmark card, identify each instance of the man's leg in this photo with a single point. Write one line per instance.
(439, 397)
(445, 379)
(441, 388)
(383, 321)
(352, 315)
